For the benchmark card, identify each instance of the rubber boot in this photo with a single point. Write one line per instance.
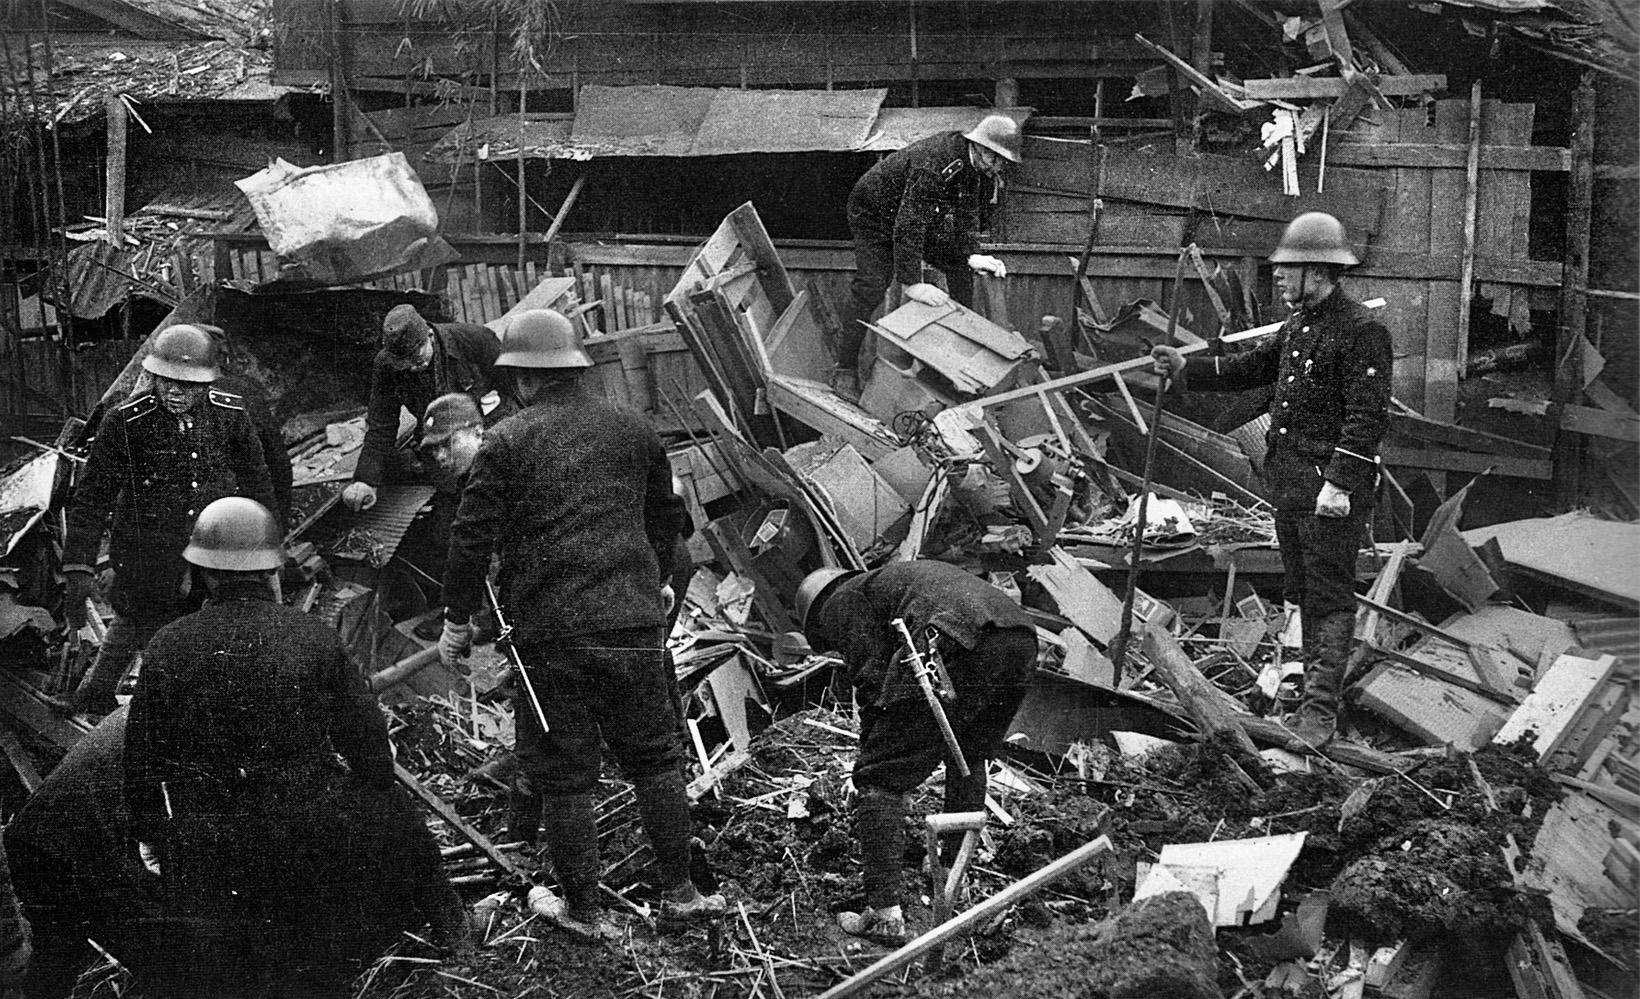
(1329, 640)
(845, 381)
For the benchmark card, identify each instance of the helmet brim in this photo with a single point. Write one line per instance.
(180, 372)
(233, 561)
(564, 359)
(1342, 257)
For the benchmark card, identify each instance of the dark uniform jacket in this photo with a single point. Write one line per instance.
(230, 770)
(577, 497)
(154, 476)
(858, 621)
(462, 357)
(270, 434)
(1331, 367)
(927, 197)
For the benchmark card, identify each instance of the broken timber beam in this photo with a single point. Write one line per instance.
(1203, 702)
(444, 810)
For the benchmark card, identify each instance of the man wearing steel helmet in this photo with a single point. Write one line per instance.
(576, 497)
(1331, 367)
(280, 866)
(417, 362)
(154, 465)
(921, 204)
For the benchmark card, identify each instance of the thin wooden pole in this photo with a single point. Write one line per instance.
(976, 916)
(523, 192)
(1466, 278)
(563, 210)
(114, 172)
(1574, 302)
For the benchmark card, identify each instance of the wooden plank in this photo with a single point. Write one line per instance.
(1560, 695)
(1471, 195)
(1570, 331)
(1600, 423)
(1442, 363)
(1423, 428)
(815, 405)
(1309, 88)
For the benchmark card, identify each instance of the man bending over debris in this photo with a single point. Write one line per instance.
(988, 646)
(1331, 367)
(155, 464)
(577, 498)
(267, 848)
(921, 203)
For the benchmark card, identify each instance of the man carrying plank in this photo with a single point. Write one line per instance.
(987, 648)
(1331, 365)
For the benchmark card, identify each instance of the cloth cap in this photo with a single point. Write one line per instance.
(403, 332)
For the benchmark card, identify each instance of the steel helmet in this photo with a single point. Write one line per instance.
(542, 338)
(236, 534)
(998, 133)
(184, 353)
(815, 587)
(1314, 238)
(448, 414)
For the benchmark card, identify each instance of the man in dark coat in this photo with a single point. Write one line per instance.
(576, 497)
(988, 647)
(1331, 364)
(417, 363)
(921, 204)
(155, 464)
(264, 846)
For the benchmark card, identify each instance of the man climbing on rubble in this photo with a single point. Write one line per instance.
(156, 462)
(269, 850)
(921, 204)
(576, 497)
(1331, 367)
(417, 363)
(988, 647)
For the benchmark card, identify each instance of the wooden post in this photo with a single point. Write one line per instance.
(1466, 277)
(114, 199)
(523, 192)
(338, 87)
(1201, 56)
(1573, 294)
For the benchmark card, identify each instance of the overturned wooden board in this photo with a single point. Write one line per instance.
(1575, 550)
(817, 406)
(1554, 704)
(1088, 603)
(1568, 861)
(865, 505)
(1436, 712)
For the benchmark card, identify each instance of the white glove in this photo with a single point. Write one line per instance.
(150, 857)
(1166, 361)
(926, 293)
(359, 495)
(669, 598)
(987, 265)
(1332, 502)
(455, 643)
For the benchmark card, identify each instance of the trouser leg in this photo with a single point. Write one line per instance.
(879, 823)
(873, 271)
(572, 840)
(663, 806)
(127, 636)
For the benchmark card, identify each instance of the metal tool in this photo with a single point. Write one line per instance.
(503, 638)
(1124, 634)
(926, 676)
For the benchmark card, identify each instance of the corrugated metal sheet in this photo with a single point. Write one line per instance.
(379, 529)
(1617, 636)
(705, 121)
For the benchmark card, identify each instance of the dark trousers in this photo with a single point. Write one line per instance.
(874, 272)
(127, 636)
(1318, 559)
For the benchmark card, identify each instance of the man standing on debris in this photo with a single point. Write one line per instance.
(1331, 367)
(418, 362)
(576, 497)
(155, 464)
(988, 647)
(270, 850)
(921, 203)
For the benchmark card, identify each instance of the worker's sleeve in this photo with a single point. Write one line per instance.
(1368, 362)
(481, 519)
(250, 464)
(665, 517)
(919, 206)
(357, 730)
(275, 454)
(146, 747)
(98, 489)
(16, 940)
(381, 429)
(1235, 372)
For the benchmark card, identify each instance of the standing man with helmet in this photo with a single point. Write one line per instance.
(155, 464)
(921, 204)
(270, 853)
(417, 363)
(1331, 364)
(988, 647)
(576, 497)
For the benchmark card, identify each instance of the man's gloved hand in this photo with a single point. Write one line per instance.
(455, 643)
(78, 587)
(359, 495)
(669, 598)
(1332, 502)
(987, 265)
(926, 293)
(1166, 361)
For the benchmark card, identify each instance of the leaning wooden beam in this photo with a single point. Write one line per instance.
(445, 811)
(1203, 702)
(402, 670)
(965, 922)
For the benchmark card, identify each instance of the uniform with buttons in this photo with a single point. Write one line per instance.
(149, 474)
